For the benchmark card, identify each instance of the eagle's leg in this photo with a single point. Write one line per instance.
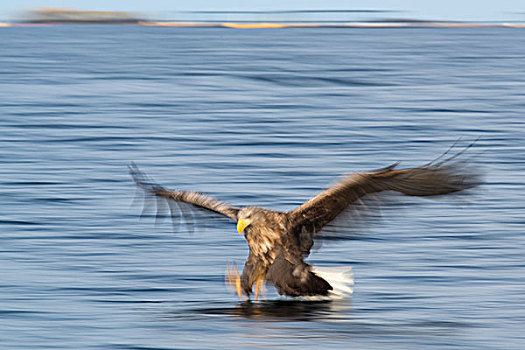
(234, 279)
(238, 286)
(257, 287)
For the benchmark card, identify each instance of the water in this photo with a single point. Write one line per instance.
(266, 117)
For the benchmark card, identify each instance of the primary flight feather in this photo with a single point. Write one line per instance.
(279, 241)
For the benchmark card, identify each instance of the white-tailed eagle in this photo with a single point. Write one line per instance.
(280, 240)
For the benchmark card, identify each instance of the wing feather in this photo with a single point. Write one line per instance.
(194, 198)
(431, 179)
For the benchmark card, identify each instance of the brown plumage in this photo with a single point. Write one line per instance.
(279, 241)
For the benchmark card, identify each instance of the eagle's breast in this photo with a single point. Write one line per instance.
(265, 239)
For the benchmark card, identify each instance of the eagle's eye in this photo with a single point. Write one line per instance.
(244, 221)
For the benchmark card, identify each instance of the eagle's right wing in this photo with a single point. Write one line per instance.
(431, 179)
(196, 199)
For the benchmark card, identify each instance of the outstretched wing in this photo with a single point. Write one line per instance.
(196, 199)
(431, 179)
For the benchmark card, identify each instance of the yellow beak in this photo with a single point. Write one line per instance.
(241, 225)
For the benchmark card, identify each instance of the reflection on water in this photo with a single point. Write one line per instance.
(286, 322)
(285, 310)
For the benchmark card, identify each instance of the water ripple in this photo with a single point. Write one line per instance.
(255, 117)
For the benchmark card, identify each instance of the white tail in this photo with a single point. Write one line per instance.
(340, 278)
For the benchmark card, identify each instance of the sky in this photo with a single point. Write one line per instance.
(462, 10)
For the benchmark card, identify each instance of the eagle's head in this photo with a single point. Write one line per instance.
(248, 216)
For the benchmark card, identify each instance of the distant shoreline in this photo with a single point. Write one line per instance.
(263, 25)
(57, 16)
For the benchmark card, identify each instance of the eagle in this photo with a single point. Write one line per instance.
(279, 241)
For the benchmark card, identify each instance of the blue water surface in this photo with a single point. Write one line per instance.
(264, 117)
